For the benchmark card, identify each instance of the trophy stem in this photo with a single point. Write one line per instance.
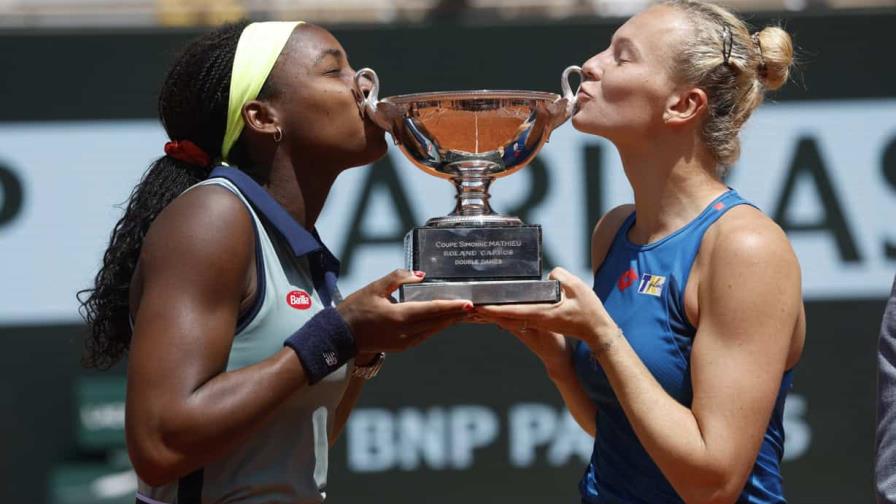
(472, 190)
(474, 177)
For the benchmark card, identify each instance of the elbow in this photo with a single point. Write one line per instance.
(153, 462)
(713, 496)
(718, 487)
(152, 476)
(152, 470)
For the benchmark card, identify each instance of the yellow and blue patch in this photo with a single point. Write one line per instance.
(651, 284)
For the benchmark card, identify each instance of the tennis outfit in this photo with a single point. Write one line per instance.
(286, 459)
(642, 288)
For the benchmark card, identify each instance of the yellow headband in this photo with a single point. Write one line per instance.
(256, 52)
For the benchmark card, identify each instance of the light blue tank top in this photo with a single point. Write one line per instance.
(285, 459)
(642, 287)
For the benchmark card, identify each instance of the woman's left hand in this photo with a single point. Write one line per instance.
(579, 314)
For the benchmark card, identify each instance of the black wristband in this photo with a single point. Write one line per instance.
(323, 344)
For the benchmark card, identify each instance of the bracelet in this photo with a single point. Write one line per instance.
(323, 344)
(371, 370)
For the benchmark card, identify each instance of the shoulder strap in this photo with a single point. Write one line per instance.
(607, 231)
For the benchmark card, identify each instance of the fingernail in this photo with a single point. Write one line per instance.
(468, 307)
(419, 274)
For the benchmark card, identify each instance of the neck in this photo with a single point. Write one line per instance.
(673, 182)
(300, 188)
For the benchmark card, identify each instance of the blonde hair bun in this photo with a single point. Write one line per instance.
(776, 56)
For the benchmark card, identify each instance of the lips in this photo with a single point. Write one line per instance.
(583, 96)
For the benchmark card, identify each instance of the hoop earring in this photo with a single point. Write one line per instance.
(278, 135)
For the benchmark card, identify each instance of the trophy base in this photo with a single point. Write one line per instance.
(458, 254)
(483, 292)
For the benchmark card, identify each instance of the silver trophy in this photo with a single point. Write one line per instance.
(472, 138)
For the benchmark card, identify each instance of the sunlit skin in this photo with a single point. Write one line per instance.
(196, 275)
(630, 97)
(324, 132)
(743, 294)
(628, 83)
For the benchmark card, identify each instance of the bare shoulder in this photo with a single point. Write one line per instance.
(750, 289)
(208, 225)
(604, 232)
(744, 234)
(747, 252)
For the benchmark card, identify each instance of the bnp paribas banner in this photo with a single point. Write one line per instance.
(826, 171)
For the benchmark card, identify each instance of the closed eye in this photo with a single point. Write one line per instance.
(332, 60)
(625, 51)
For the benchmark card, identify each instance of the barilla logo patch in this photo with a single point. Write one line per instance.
(299, 299)
(651, 284)
(627, 279)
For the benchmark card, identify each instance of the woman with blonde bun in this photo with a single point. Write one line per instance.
(678, 361)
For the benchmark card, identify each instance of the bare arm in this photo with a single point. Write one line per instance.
(750, 304)
(353, 391)
(555, 350)
(750, 307)
(580, 406)
(183, 410)
(349, 398)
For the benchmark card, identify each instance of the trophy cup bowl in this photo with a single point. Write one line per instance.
(473, 138)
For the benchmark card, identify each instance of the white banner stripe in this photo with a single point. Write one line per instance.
(833, 151)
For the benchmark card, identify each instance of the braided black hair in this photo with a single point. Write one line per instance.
(192, 106)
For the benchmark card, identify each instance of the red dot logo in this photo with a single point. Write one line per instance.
(627, 279)
(299, 299)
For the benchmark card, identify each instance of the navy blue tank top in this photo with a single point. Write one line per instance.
(642, 287)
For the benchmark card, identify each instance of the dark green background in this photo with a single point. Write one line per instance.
(88, 75)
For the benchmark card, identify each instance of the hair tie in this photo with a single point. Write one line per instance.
(727, 43)
(762, 69)
(188, 152)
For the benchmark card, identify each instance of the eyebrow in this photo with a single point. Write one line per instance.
(331, 52)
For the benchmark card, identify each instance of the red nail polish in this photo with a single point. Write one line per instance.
(468, 307)
(419, 274)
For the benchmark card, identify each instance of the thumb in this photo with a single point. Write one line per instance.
(399, 277)
(563, 276)
(568, 282)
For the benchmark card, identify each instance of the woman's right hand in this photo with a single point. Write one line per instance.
(379, 324)
(553, 349)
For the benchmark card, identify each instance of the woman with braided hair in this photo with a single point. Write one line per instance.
(243, 360)
(678, 361)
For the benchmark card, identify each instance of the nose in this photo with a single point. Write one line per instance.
(593, 69)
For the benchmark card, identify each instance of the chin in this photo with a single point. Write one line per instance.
(373, 150)
(586, 124)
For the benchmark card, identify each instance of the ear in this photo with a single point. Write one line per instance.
(685, 106)
(260, 117)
